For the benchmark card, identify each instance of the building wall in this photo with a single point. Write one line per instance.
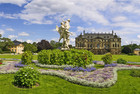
(17, 49)
(136, 52)
(99, 44)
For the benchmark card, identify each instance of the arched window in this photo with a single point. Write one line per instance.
(98, 45)
(91, 45)
(118, 45)
(113, 45)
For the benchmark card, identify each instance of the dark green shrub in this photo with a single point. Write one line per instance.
(135, 73)
(27, 57)
(26, 77)
(121, 61)
(72, 57)
(44, 56)
(107, 58)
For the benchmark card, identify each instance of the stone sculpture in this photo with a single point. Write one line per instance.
(63, 30)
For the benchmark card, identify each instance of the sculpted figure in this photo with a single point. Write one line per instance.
(64, 33)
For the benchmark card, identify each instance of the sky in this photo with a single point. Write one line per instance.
(34, 20)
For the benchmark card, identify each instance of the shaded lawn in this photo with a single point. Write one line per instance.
(133, 58)
(55, 85)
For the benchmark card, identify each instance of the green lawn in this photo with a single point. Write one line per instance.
(16, 56)
(133, 58)
(55, 85)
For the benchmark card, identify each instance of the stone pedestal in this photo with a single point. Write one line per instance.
(64, 49)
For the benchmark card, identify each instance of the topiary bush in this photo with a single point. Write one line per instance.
(27, 57)
(135, 73)
(26, 77)
(121, 61)
(74, 57)
(107, 58)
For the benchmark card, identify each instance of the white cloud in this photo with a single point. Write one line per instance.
(17, 2)
(138, 36)
(1, 31)
(119, 19)
(9, 16)
(37, 10)
(126, 24)
(29, 41)
(12, 36)
(89, 29)
(10, 29)
(23, 34)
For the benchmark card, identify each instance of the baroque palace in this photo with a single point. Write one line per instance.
(99, 43)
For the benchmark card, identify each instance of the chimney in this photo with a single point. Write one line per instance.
(112, 32)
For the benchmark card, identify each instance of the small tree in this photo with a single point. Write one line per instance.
(27, 57)
(126, 50)
(107, 58)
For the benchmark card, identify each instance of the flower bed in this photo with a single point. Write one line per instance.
(59, 66)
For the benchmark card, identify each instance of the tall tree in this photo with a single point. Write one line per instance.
(43, 45)
(30, 47)
(55, 44)
(126, 50)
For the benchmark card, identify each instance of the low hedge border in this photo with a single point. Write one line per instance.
(57, 66)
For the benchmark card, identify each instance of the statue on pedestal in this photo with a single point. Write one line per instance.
(63, 30)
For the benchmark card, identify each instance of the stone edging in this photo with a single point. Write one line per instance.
(57, 66)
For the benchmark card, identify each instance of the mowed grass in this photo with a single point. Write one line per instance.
(133, 58)
(16, 56)
(126, 84)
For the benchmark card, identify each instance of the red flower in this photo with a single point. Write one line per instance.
(0, 63)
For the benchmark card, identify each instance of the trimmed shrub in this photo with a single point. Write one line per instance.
(74, 57)
(121, 61)
(135, 73)
(107, 58)
(27, 57)
(26, 77)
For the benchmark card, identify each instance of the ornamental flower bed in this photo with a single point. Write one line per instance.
(80, 69)
(110, 65)
(20, 64)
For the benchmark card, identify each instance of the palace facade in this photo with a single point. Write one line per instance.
(99, 43)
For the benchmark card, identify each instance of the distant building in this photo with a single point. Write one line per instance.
(137, 51)
(17, 48)
(99, 43)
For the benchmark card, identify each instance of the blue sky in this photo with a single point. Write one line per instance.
(34, 20)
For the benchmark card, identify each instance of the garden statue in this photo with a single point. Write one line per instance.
(63, 30)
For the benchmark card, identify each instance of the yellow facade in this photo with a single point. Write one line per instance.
(18, 49)
(137, 51)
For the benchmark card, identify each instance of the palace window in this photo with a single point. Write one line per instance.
(91, 45)
(113, 45)
(118, 45)
(98, 45)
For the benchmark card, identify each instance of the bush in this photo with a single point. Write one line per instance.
(121, 61)
(135, 73)
(27, 58)
(74, 57)
(26, 77)
(107, 58)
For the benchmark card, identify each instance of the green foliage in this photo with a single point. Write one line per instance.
(121, 61)
(55, 44)
(72, 57)
(27, 58)
(26, 77)
(30, 47)
(135, 73)
(107, 58)
(1, 61)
